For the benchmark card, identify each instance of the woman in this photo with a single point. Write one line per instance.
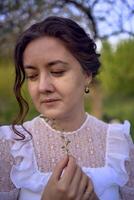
(64, 153)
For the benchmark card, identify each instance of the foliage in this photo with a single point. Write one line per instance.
(117, 79)
(118, 68)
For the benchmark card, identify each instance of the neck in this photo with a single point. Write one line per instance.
(69, 123)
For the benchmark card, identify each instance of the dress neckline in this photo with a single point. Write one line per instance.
(65, 132)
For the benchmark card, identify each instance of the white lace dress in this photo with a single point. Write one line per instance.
(104, 151)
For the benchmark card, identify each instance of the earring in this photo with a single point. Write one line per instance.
(87, 89)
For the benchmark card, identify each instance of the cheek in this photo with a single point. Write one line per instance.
(73, 86)
(32, 91)
(78, 82)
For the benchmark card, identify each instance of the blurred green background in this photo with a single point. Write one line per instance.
(112, 93)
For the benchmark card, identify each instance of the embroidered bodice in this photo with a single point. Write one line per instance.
(84, 144)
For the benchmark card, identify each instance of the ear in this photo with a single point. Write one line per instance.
(88, 78)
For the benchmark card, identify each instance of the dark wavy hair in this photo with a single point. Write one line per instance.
(75, 39)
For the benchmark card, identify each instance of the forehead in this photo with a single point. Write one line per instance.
(44, 44)
(47, 48)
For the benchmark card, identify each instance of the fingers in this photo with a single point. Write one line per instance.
(82, 186)
(69, 172)
(72, 183)
(59, 168)
(75, 182)
(89, 192)
(77, 177)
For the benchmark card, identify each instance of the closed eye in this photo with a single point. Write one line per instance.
(57, 73)
(31, 77)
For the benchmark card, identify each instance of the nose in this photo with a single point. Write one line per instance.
(45, 84)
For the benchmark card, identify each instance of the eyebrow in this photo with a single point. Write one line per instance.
(29, 67)
(49, 64)
(55, 62)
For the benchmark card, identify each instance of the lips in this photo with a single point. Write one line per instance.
(49, 100)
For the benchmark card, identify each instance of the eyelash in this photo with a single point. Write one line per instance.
(31, 77)
(57, 73)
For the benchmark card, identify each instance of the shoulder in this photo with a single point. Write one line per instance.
(33, 124)
(7, 133)
(98, 129)
(119, 140)
(96, 123)
(121, 130)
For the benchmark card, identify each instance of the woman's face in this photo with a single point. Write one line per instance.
(56, 81)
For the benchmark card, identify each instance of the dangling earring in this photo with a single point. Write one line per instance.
(87, 89)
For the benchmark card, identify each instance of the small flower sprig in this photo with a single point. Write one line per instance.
(66, 143)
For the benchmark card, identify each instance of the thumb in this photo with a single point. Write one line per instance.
(60, 167)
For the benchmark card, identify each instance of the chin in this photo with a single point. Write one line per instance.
(53, 114)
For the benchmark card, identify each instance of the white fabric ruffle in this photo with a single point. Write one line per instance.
(6, 133)
(117, 150)
(105, 182)
(26, 174)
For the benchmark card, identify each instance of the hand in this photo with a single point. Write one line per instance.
(68, 182)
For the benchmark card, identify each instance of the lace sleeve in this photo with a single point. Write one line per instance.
(7, 189)
(127, 192)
